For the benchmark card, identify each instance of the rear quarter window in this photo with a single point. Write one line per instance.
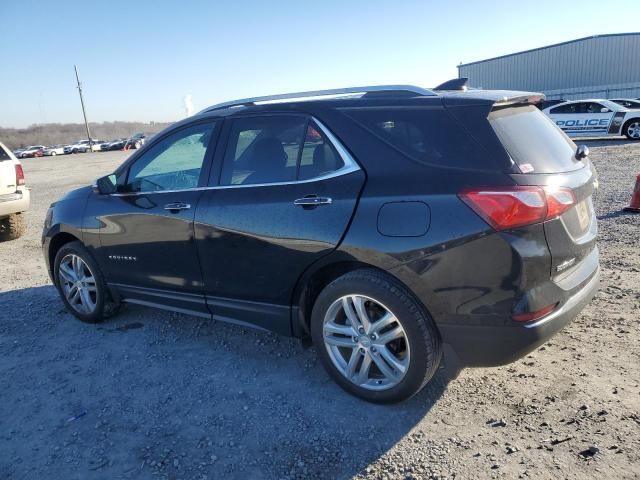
(427, 135)
(533, 141)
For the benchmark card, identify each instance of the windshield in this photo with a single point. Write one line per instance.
(533, 141)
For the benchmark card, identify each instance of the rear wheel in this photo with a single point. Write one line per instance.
(632, 129)
(373, 338)
(81, 284)
(12, 227)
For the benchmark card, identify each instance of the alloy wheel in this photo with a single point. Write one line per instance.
(78, 284)
(366, 342)
(634, 130)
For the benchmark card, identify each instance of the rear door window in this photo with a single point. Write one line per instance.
(533, 141)
(429, 136)
(263, 149)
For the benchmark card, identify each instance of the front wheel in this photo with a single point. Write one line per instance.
(632, 129)
(81, 284)
(375, 340)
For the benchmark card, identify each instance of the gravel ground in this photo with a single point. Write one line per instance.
(152, 394)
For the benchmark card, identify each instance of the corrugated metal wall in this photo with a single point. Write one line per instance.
(602, 66)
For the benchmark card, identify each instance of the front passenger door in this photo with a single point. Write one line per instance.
(146, 229)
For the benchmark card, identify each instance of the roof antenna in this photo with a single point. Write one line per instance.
(454, 84)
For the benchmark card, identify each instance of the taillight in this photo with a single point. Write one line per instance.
(559, 200)
(19, 175)
(505, 208)
(530, 316)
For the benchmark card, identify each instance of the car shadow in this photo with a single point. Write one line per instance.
(615, 214)
(157, 393)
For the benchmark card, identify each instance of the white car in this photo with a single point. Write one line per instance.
(14, 196)
(32, 151)
(629, 103)
(53, 151)
(79, 147)
(595, 118)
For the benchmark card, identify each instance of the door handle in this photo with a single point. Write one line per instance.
(312, 201)
(177, 206)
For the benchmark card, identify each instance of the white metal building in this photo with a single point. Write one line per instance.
(602, 66)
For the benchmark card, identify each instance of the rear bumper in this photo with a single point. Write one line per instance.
(14, 202)
(486, 346)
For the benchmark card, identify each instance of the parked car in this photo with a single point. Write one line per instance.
(32, 151)
(117, 144)
(595, 118)
(403, 225)
(137, 140)
(53, 151)
(14, 196)
(81, 146)
(627, 103)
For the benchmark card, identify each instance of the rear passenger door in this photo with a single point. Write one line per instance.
(284, 194)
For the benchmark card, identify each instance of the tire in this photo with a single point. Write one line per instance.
(631, 129)
(102, 305)
(415, 346)
(53, 154)
(137, 145)
(12, 227)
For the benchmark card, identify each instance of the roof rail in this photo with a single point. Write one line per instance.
(418, 91)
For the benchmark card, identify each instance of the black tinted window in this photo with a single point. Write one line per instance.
(534, 142)
(174, 163)
(591, 107)
(427, 135)
(263, 150)
(569, 108)
(3, 155)
(318, 157)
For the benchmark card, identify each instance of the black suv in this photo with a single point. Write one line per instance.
(391, 226)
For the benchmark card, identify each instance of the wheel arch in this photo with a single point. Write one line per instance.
(55, 244)
(626, 124)
(313, 282)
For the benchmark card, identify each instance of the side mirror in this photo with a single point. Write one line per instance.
(106, 185)
(604, 110)
(582, 152)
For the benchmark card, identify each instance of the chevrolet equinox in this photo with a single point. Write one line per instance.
(393, 227)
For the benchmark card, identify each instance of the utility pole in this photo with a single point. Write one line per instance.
(84, 113)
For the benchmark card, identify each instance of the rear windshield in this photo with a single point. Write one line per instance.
(428, 135)
(533, 141)
(3, 155)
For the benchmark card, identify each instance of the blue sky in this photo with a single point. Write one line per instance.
(137, 60)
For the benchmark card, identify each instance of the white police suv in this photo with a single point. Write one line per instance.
(595, 118)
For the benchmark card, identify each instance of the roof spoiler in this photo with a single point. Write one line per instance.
(454, 84)
(527, 98)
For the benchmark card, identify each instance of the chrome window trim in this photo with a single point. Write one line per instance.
(350, 166)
